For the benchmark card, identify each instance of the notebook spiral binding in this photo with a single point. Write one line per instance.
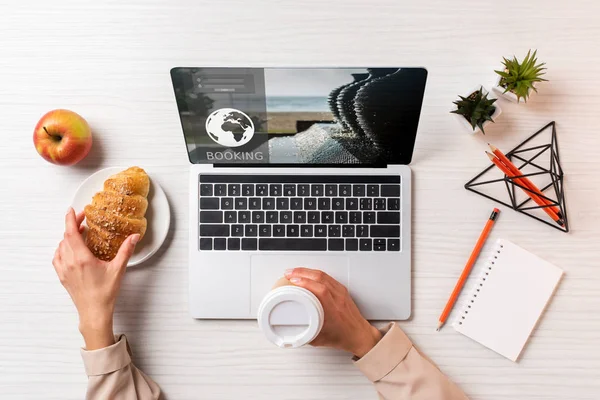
(485, 274)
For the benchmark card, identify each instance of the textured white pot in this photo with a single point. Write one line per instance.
(499, 90)
(463, 121)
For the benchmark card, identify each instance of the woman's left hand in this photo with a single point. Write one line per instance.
(93, 284)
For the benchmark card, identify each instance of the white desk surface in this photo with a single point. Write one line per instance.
(110, 61)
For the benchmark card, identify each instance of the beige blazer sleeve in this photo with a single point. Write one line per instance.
(400, 372)
(112, 375)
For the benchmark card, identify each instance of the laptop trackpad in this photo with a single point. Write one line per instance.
(265, 270)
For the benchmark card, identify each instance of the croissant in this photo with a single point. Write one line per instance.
(117, 212)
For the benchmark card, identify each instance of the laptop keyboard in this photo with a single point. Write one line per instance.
(299, 212)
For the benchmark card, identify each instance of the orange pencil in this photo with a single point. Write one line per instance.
(519, 181)
(465, 274)
(528, 183)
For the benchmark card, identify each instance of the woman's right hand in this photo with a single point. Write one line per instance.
(344, 327)
(92, 284)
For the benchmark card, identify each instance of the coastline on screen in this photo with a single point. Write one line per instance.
(356, 116)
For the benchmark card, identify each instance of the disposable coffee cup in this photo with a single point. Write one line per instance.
(290, 316)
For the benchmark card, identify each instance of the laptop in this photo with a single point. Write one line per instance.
(299, 167)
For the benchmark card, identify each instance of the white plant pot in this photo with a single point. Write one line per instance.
(510, 96)
(463, 121)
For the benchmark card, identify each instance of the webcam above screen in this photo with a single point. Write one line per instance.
(311, 116)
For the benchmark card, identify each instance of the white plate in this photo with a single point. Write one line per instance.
(158, 214)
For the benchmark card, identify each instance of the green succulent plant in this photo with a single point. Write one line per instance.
(476, 108)
(519, 77)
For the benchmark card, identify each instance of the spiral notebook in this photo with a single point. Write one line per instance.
(508, 299)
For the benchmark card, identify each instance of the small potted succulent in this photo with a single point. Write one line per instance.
(516, 81)
(476, 110)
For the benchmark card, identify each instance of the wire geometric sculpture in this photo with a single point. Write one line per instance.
(553, 171)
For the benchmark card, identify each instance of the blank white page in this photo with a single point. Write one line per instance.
(510, 296)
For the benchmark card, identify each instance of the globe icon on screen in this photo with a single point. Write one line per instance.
(229, 127)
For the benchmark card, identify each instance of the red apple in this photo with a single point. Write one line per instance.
(62, 137)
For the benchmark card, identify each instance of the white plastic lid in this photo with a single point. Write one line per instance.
(290, 316)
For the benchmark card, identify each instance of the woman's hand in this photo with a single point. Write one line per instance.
(344, 327)
(92, 284)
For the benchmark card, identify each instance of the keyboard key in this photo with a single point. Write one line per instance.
(233, 190)
(211, 217)
(306, 231)
(289, 190)
(393, 244)
(248, 190)
(292, 231)
(324, 203)
(230, 217)
(373, 190)
(244, 217)
(220, 189)
(237, 230)
(254, 203)
(214, 230)
(316, 190)
(336, 245)
(205, 243)
(390, 190)
(362, 231)
(233, 244)
(258, 217)
(262, 190)
(337, 204)
(393, 204)
(300, 217)
(285, 217)
(249, 244)
(206, 189)
(303, 190)
(320, 230)
(368, 217)
(351, 203)
(303, 244)
(334, 231)
(314, 217)
(366, 203)
(275, 190)
(331, 190)
(220, 244)
(379, 244)
(383, 231)
(327, 217)
(351, 244)
(310, 203)
(341, 217)
(241, 203)
(348, 231)
(208, 203)
(268, 203)
(388, 217)
(355, 217)
(251, 230)
(379, 204)
(346, 190)
(283, 203)
(226, 203)
(279, 230)
(272, 217)
(296, 203)
(264, 230)
(358, 190)
(366, 245)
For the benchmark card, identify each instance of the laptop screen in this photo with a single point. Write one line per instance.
(312, 116)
